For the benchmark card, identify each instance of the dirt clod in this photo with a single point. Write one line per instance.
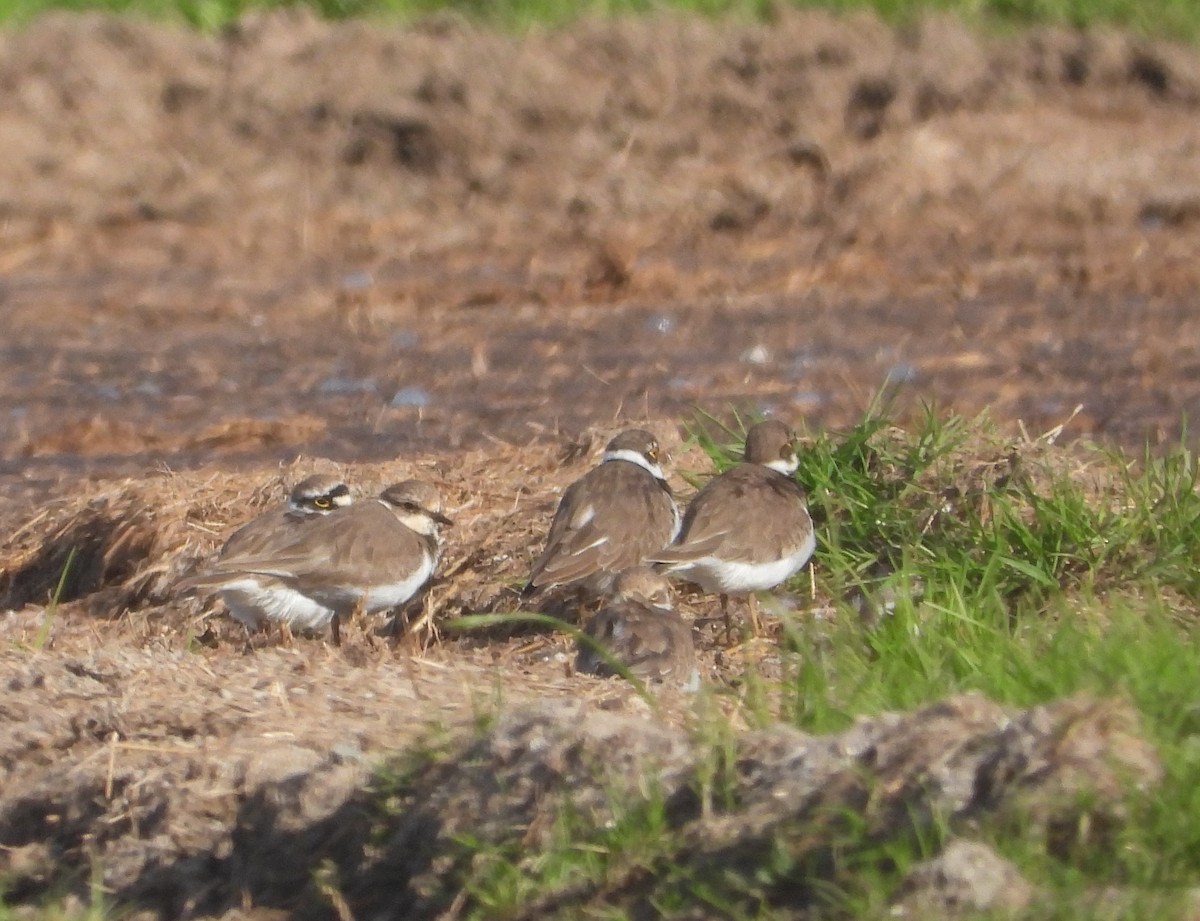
(967, 878)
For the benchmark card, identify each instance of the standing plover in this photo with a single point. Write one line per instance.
(611, 518)
(748, 529)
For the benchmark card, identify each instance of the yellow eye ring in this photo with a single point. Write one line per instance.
(322, 502)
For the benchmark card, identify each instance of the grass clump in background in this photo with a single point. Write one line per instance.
(1028, 572)
(1009, 566)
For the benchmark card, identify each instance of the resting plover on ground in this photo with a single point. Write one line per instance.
(641, 630)
(748, 529)
(309, 500)
(370, 557)
(611, 518)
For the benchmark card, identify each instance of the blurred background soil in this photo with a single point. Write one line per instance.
(360, 241)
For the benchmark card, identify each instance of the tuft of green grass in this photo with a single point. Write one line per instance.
(1023, 570)
(986, 527)
(510, 880)
(51, 611)
(59, 905)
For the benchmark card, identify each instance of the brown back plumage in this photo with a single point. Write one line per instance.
(611, 518)
(750, 513)
(332, 558)
(640, 630)
(365, 545)
(309, 500)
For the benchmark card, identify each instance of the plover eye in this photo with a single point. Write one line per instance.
(322, 502)
(652, 454)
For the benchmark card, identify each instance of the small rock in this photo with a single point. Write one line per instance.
(756, 355)
(965, 879)
(404, 339)
(347, 752)
(411, 396)
(275, 765)
(341, 385)
(661, 323)
(901, 373)
(358, 280)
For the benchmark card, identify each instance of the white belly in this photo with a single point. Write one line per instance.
(253, 603)
(389, 595)
(728, 578)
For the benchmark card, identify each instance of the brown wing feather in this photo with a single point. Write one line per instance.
(718, 520)
(368, 550)
(366, 539)
(265, 533)
(566, 534)
(632, 516)
(651, 643)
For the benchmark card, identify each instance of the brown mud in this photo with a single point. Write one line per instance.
(354, 240)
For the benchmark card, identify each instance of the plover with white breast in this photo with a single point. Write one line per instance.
(370, 557)
(748, 529)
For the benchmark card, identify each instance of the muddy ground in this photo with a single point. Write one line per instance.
(443, 250)
(357, 241)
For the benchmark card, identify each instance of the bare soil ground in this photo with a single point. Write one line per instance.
(468, 255)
